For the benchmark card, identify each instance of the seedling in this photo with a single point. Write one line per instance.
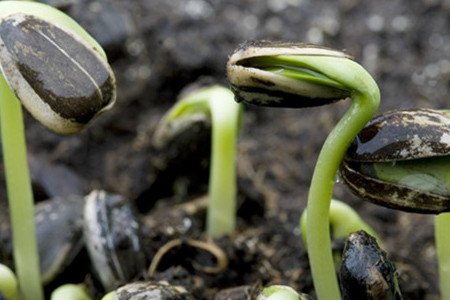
(47, 61)
(298, 75)
(8, 283)
(281, 292)
(343, 221)
(405, 166)
(70, 291)
(217, 103)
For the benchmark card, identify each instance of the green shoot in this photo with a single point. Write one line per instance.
(298, 75)
(70, 291)
(365, 100)
(279, 292)
(216, 102)
(442, 224)
(343, 221)
(20, 195)
(8, 283)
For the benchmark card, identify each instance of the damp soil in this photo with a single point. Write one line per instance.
(158, 48)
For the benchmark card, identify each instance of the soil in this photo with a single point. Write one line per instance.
(157, 48)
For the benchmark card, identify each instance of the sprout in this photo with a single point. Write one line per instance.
(110, 296)
(70, 291)
(266, 73)
(45, 61)
(343, 221)
(281, 292)
(298, 75)
(401, 160)
(8, 283)
(217, 103)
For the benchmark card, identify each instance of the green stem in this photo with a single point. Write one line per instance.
(20, 194)
(343, 221)
(70, 291)
(221, 217)
(279, 292)
(225, 114)
(365, 101)
(319, 198)
(8, 282)
(318, 76)
(442, 224)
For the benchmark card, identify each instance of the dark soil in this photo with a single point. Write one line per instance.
(159, 47)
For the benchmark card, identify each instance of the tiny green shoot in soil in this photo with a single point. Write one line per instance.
(280, 292)
(225, 114)
(343, 221)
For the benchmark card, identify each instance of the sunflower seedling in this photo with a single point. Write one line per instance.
(51, 66)
(343, 221)
(281, 292)
(8, 283)
(401, 160)
(299, 75)
(217, 104)
(70, 291)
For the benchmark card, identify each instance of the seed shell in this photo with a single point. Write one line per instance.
(402, 135)
(61, 80)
